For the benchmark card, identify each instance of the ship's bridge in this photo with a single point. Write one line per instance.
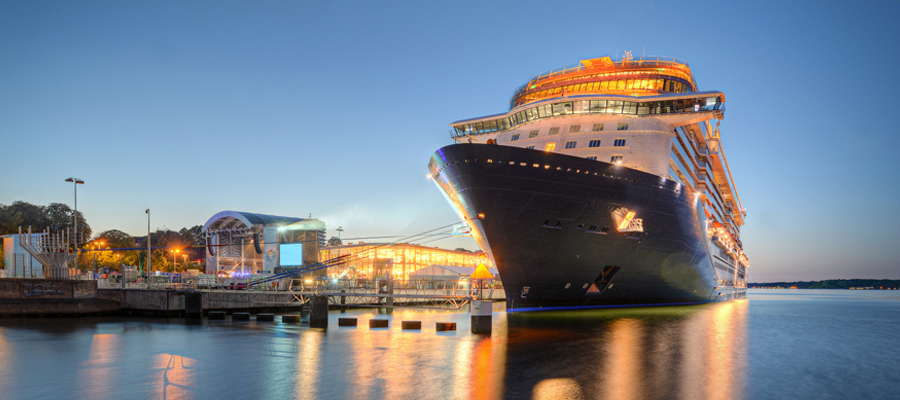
(627, 76)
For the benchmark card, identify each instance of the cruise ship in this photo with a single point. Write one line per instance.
(605, 184)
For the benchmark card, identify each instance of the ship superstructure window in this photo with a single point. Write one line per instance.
(514, 138)
(597, 127)
(533, 134)
(619, 143)
(571, 144)
(529, 147)
(574, 128)
(554, 131)
(590, 107)
(594, 143)
(616, 159)
(550, 146)
(592, 158)
(623, 126)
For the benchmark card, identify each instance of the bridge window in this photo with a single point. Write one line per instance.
(619, 142)
(571, 144)
(554, 131)
(597, 127)
(529, 147)
(592, 158)
(623, 126)
(514, 138)
(550, 147)
(616, 159)
(594, 143)
(533, 134)
(574, 128)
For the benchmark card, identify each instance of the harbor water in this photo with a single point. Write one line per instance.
(776, 344)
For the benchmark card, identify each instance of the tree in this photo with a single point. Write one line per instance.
(56, 216)
(334, 241)
(10, 219)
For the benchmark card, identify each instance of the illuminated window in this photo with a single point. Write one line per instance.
(514, 138)
(550, 146)
(533, 134)
(574, 128)
(571, 144)
(616, 159)
(554, 131)
(619, 142)
(530, 147)
(597, 127)
(594, 143)
(592, 158)
(623, 126)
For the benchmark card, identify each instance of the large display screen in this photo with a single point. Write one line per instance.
(291, 254)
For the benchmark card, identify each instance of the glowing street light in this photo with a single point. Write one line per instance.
(174, 261)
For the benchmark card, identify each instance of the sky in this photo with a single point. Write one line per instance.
(332, 109)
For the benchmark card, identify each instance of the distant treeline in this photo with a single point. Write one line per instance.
(833, 284)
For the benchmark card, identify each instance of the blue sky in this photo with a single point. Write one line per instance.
(299, 108)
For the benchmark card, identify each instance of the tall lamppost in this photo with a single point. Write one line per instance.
(148, 248)
(75, 183)
(174, 261)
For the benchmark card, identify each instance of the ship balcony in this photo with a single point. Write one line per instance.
(702, 182)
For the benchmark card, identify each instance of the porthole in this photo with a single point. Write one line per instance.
(568, 285)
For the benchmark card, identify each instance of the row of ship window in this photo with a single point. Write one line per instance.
(616, 85)
(590, 107)
(616, 158)
(573, 143)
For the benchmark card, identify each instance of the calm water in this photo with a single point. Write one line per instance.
(775, 345)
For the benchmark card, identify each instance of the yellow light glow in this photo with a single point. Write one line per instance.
(550, 147)
(627, 220)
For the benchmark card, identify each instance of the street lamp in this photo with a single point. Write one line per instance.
(96, 246)
(148, 248)
(75, 183)
(174, 261)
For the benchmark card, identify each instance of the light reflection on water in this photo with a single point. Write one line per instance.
(691, 352)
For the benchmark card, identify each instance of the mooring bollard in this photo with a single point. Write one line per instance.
(346, 321)
(318, 317)
(240, 316)
(411, 324)
(265, 317)
(445, 326)
(481, 316)
(378, 323)
(290, 319)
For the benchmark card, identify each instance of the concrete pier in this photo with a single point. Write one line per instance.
(318, 317)
(481, 312)
(193, 304)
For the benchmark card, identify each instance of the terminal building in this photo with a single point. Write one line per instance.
(243, 244)
(374, 260)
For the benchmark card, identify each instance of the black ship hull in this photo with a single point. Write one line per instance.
(549, 224)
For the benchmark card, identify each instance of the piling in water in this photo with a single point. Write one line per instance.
(265, 317)
(411, 324)
(481, 316)
(445, 326)
(346, 321)
(378, 323)
(318, 317)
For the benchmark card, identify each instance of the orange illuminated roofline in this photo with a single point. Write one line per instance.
(554, 83)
